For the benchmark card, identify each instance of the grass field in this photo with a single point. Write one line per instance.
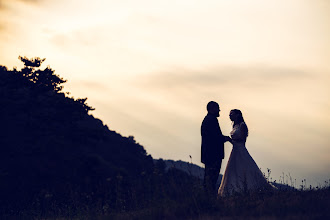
(307, 204)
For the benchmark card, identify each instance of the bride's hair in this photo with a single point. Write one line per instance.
(239, 120)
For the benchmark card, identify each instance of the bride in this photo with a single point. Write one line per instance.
(242, 173)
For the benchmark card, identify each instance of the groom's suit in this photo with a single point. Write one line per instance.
(212, 150)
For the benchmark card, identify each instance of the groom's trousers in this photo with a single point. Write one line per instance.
(211, 175)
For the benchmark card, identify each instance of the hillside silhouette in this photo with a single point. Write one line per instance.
(54, 151)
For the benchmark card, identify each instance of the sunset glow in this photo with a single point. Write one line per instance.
(150, 67)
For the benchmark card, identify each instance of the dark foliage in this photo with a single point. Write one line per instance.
(43, 79)
(294, 204)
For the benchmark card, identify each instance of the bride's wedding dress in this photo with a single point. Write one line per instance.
(242, 173)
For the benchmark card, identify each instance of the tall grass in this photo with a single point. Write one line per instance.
(289, 204)
(177, 195)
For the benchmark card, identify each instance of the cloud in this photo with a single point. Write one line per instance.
(89, 85)
(11, 10)
(4, 3)
(73, 40)
(255, 76)
(31, 1)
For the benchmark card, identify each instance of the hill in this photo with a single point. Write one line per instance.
(189, 168)
(53, 148)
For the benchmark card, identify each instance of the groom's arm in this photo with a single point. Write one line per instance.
(227, 138)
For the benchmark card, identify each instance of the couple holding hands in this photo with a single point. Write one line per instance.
(242, 173)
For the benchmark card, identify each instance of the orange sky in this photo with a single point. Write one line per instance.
(150, 67)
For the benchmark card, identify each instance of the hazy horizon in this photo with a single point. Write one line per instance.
(150, 67)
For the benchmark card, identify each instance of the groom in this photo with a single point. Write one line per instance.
(212, 146)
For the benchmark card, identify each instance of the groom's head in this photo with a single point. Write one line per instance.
(213, 108)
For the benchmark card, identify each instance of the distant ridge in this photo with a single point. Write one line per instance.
(197, 171)
(189, 168)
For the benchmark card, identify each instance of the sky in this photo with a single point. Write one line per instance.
(149, 67)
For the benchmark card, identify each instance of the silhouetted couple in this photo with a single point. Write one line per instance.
(242, 173)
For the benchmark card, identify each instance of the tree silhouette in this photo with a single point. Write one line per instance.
(34, 62)
(46, 79)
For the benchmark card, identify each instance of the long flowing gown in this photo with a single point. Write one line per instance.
(242, 174)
